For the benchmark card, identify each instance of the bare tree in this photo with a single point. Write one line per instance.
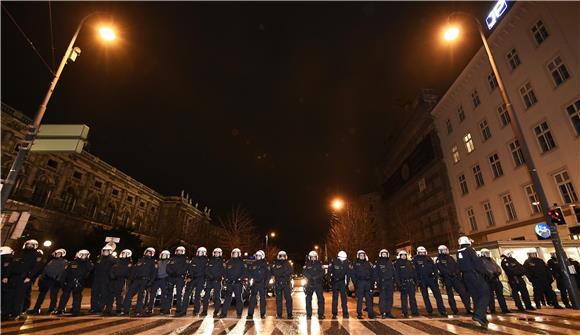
(351, 231)
(238, 231)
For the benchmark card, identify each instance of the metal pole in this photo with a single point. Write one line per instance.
(25, 146)
(569, 281)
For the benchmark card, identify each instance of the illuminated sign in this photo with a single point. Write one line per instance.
(496, 13)
(543, 230)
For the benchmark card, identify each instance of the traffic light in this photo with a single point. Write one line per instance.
(557, 216)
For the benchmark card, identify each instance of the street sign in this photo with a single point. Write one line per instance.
(78, 131)
(496, 13)
(57, 145)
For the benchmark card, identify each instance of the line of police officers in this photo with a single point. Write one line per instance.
(180, 279)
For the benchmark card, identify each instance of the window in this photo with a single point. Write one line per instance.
(468, 141)
(528, 95)
(504, 117)
(52, 164)
(449, 126)
(495, 166)
(492, 81)
(566, 187)
(471, 219)
(558, 70)
(77, 175)
(455, 153)
(463, 185)
(98, 184)
(142, 204)
(478, 175)
(544, 136)
(510, 210)
(517, 154)
(461, 114)
(532, 198)
(130, 198)
(115, 192)
(485, 132)
(475, 98)
(68, 200)
(574, 115)
(540, 32)
(513, 59)
(488, 213)
(41, 193)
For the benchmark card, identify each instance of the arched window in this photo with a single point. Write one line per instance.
(92, 208)
(69, 200)
(125, 217)
(41, 192)
(109, 216)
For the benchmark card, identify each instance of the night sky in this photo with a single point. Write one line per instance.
(274, 106)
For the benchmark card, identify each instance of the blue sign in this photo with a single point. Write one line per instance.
(543, 230)
(496, 13)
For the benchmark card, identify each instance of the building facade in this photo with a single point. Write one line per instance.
(416, 194)
(77, 191)
(535, 46)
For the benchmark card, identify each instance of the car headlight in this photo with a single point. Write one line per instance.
(271, 281)
(304, 282)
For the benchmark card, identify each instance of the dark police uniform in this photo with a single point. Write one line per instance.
(196, 281)
(556, 271)
(214, 273)
(100, 289)
(314, 275)
(7, 294)
(176, 269)
(362, 274)
(385, 274)
(405, 277)
(495, 285)
(259, 274)
(160, 283)
(515, 273)
(449, 270)
(427, 276)
(338, 271)
(73, 280)
(50, 281)
(473, 272)
(117, 277)
(539, 274)
(233, 276)
(282, 271)
(36, 272)
(20, 268)
(142, 275)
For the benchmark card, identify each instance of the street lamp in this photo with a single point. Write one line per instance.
(316, 247)
(272, 235)
(452, 33)
(47, 244)
(72, 52)
(337, 204)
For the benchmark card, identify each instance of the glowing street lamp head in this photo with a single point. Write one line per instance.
(451, 33)
(272, 234)
(107, 33)
(337, 204)
(47, 243)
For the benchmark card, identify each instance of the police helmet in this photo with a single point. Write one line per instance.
(83, 254)
(282, 255)
(402, 254)
(108, 249)
(478, 253)
(39, 253)
(260, 254)
(443, 249)
(165, 254)
(507, 253)
(464, 240)
(149, 250)
(421, 251)
(201, 251)
(236, 253)
(217, 252)
(342, 255)
(361, 253)
(180, 250)
(6, 250)
(126, 253)
(532, 253)
(485, 252)
(30, 244)
(384, 253)
(313, 255)
(62, 253)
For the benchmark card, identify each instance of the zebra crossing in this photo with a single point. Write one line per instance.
(512, 324)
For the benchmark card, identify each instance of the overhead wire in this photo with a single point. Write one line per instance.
(51, 34)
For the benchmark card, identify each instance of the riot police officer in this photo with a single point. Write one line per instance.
(314, 275)
(118, 275)
(539, 274)
(362, 275)
(282, 272)
(385, 275)
(233, 276)
(405, 277)
(176, 269)
(7, 296)
(195, 281)
(473, 272)
(449, 270)
(101, 272)
(515, 272)
(339, 271)
(73, 280)
(427, 276)
(556, 272)
(492, 278)
(213, 275)
(50, 281)
(142, 275)
(36, 271)
(258, 275)
(160, 283)
(19, 273)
